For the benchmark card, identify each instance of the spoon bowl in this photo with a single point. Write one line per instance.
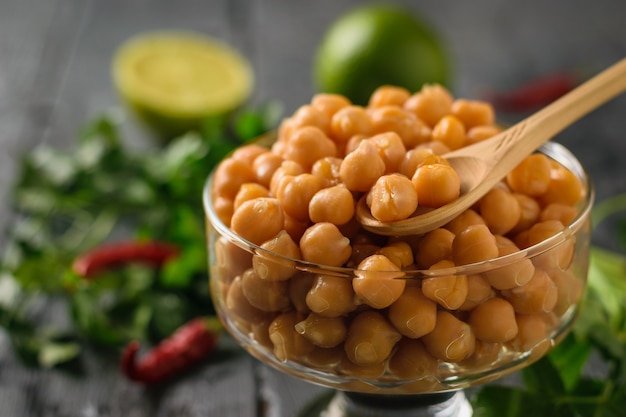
(484, 164)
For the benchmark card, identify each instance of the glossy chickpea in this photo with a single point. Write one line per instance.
(350, 121)
(326, 332)
(413, 314)
(564, 188)
(558, 211)
(329, 103)
(378, 282)
(361, 251)
(474, 244)
(494, 321)
(258, 220)
(531, 176)
(327, 169)
(331, 296)
(411, 360)
(435, 246)
(361, 371)
(412, 130)
(323, 244)
(388, 95)
(288, 343)
(296, 193)
(473, 112)
(436, 185)
(500, 210)
(478, 291)
(449, 291)
(361, 168)
(398, 252)
(308, 144)
(570, 289)
(430, 104)
(529, 212)
(228, 177)
(299, 286)
(224, 208)
(450, 131)
(417, 157)
(557, 258)
(354, 143)
(333, 205)
(532, 332)
(539, 295)
(295, 228)
(370, 339)
(271, 296)
(326, 358)
(248, 153)
(479, 133)
(309, 115)
(230, 260)
(392, 197)
(275, 261)
(515, 273)
(391, 149)
(286, 168)
(264, 167)
(249, 191)
(238, 304)
(451, 340)
(469, 217)
(438, 148)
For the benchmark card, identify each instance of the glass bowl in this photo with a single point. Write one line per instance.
(394, 351)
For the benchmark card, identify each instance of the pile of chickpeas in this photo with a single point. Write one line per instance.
(315, 288)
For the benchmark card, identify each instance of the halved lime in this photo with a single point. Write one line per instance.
(173, 80)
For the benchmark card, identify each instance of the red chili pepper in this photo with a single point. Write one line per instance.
(535, 94)
(114, 255)
(187, 346)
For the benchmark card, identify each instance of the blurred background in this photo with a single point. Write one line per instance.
(55, 59)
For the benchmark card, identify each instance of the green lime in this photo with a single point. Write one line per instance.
(375, 45)
(175, 80)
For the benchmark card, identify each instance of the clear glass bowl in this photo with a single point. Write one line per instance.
(268, 318)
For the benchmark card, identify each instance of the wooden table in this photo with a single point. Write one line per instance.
(54, 76)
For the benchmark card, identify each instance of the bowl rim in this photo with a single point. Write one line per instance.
(554, 150)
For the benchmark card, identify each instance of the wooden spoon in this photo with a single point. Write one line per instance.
(484, 164)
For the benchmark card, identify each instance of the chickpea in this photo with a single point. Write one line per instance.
(398, 252)
(474, 244)
(448, 291)
(559, 257)
(485, 354)
(392, 197)
(308, 144)
(331, 296)
(430, 104)
(270, 263)
(450, 131)
(390, 148)
(329, 103)
(333, 205)
(480, 133)
(417, 157)
(326, 332)
(258, 220)
(570, 289)
(238, 304)
(411, 360)
(229, 175)
(564, 187)
(451, 340)
(529, 212)
(326, 358)
(360, 251)
(517, 273)
(413, 314)
(296, 193)
(361, 168)
(264, 167)
(286, 168)
(388, 95)
(350, 121)
(361, 371)
(324, 244)
(370, 339)
(230, 260)
(473, 112)
(327, 169)
(271, 296)
(533, 330)
(436, 185)
(377, 281)
(494, 321)
(224, 208)
(558, 211)
(478, 291)
(248, 153)
(288, 343)
(412, 130)
(309, 115)
(435, 246)
(261, 334)
(539, 295)
(500, 210)
(249, 191)
(461, 222)
(354, 143)
(299, 286)
(531, 176)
